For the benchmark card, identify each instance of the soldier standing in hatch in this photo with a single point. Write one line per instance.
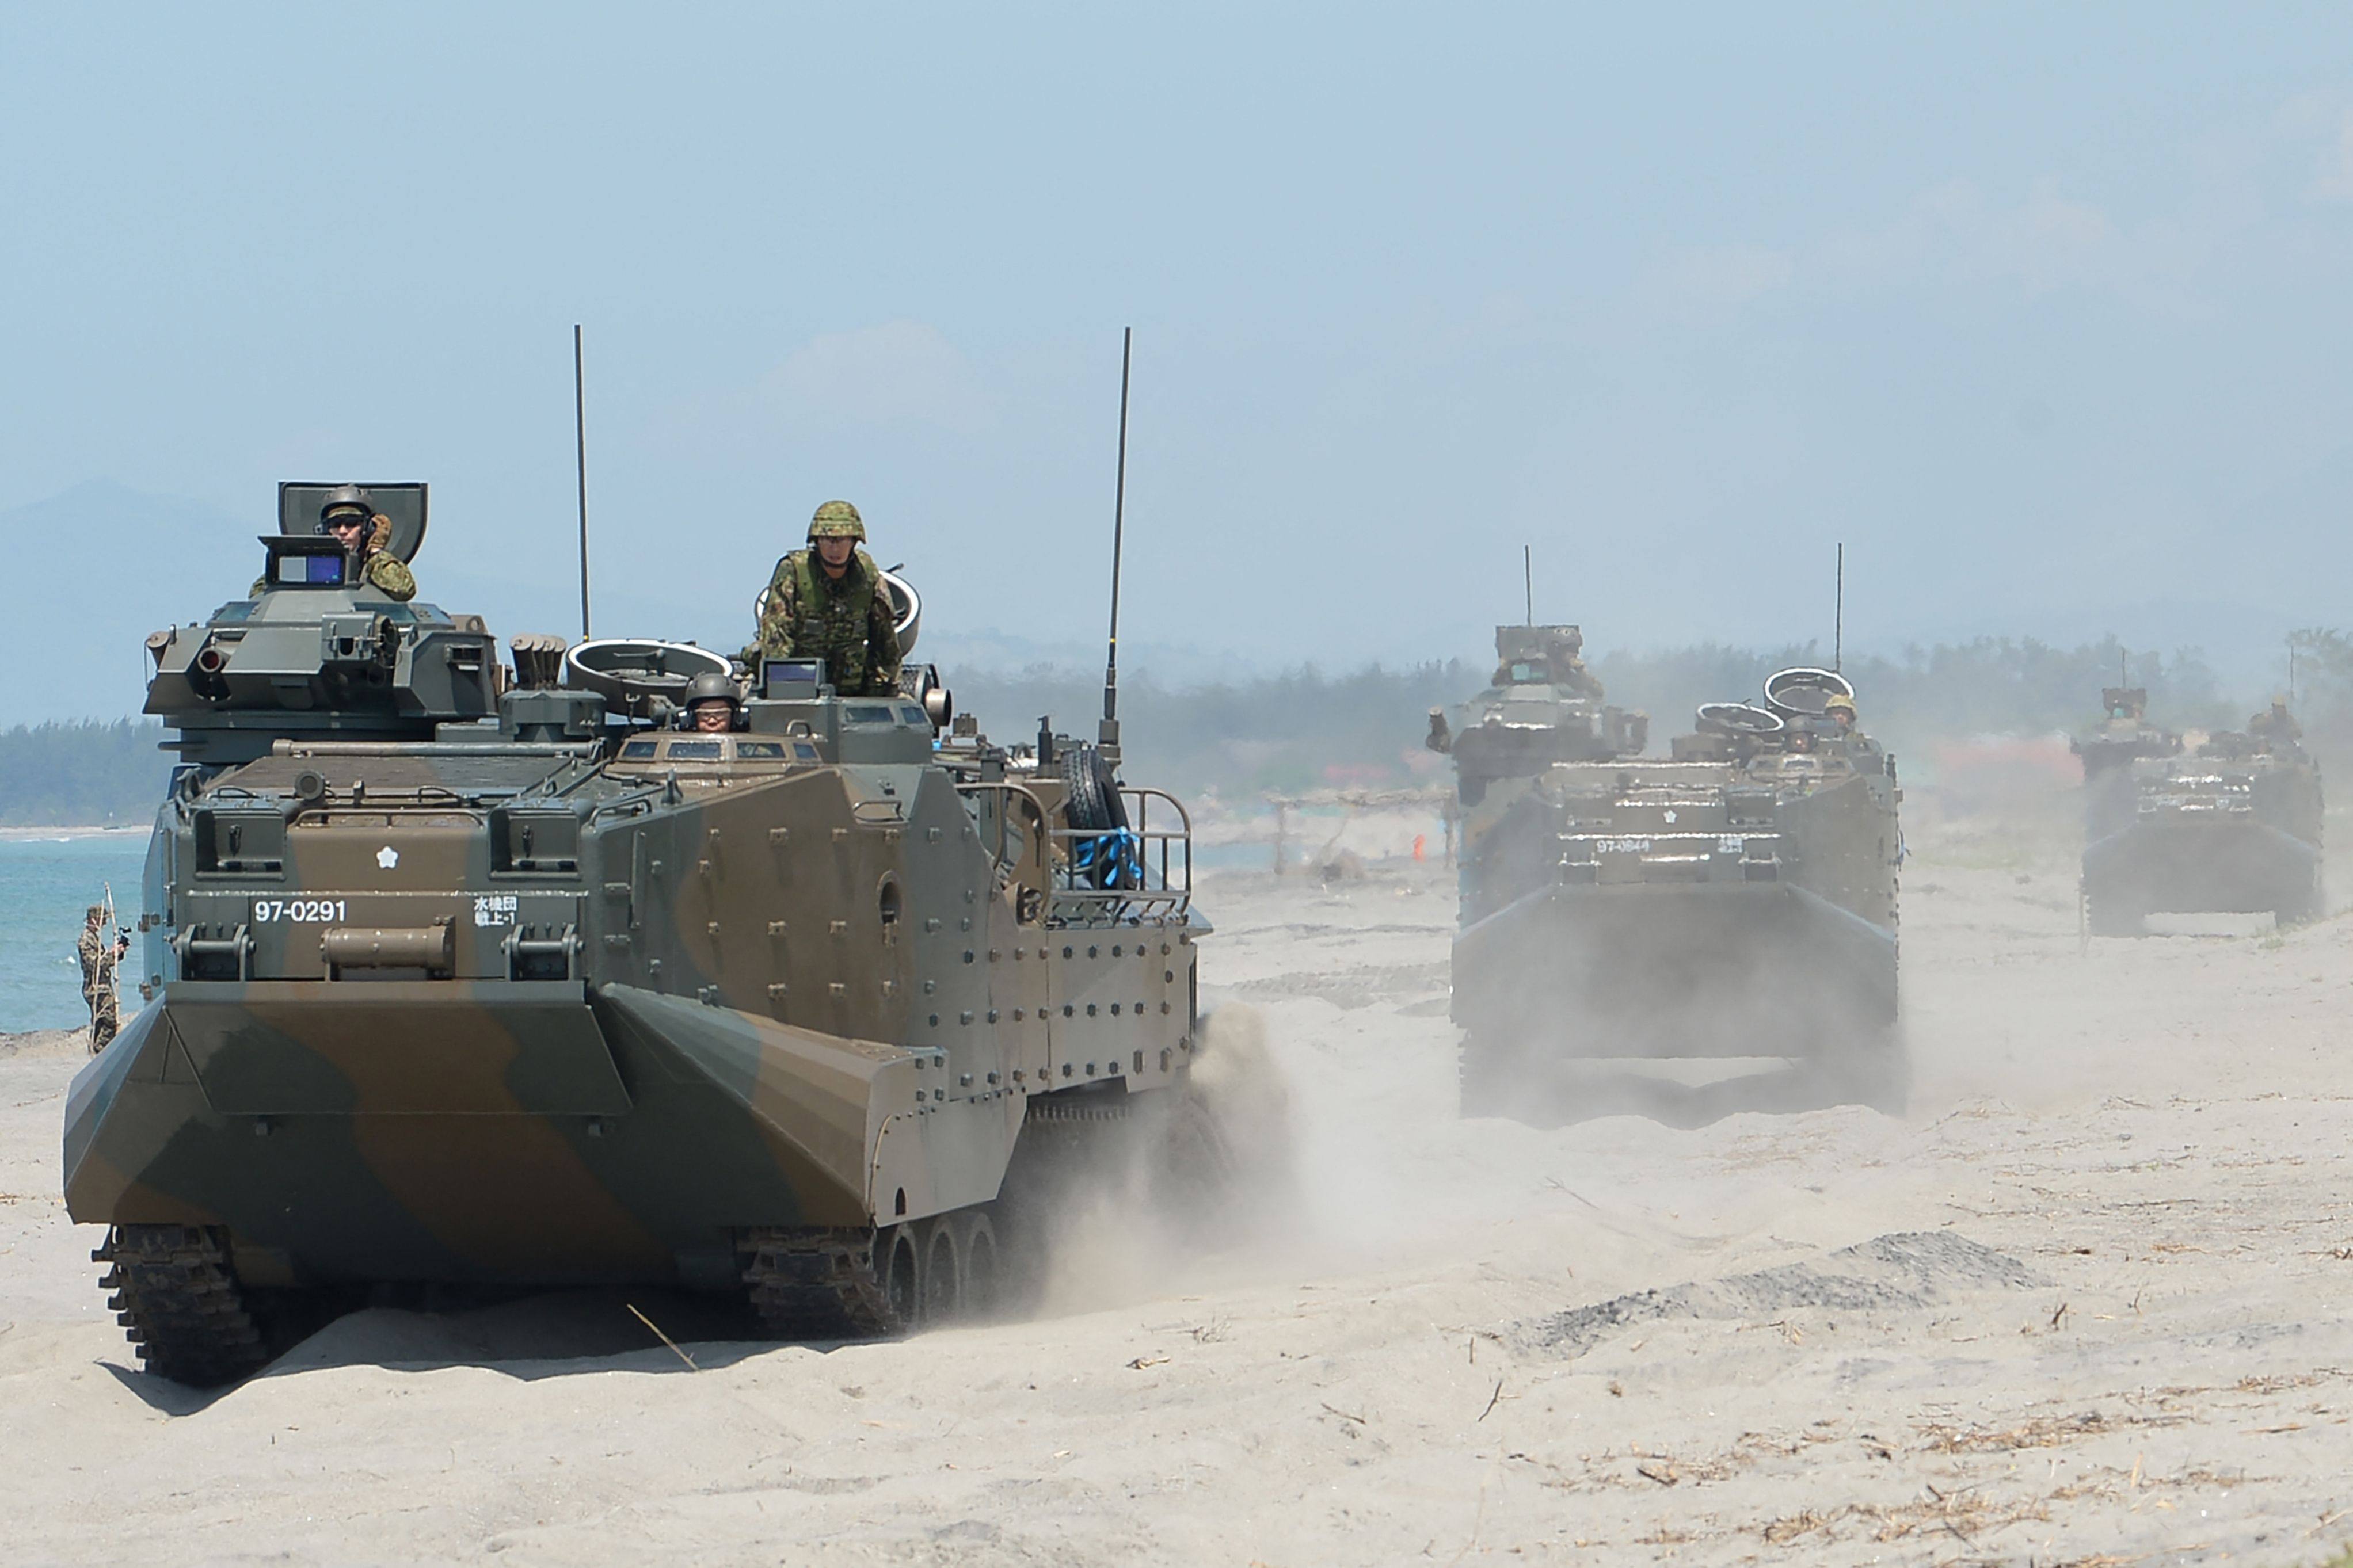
(2276, 730)
(713, 706)
(100, 959)
(351, 516)
(829, 602)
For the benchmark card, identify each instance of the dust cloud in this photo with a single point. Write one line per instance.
(2070, 1303)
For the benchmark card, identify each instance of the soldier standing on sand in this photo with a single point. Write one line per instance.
(100, 959)
(829, 602)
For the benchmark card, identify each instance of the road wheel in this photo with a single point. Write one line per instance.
(942, 1273)
(900, 1266)
(977, 1251)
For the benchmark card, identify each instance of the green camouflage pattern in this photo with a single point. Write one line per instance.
(837, 519)
(472, 987)
(850, 623)
(100, 952)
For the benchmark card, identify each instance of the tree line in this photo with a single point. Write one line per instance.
(88, 773)
(1305, 728)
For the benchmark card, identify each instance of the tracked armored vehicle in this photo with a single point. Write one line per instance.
(461, 979)
(2125, 737)
(2233, 826)
(1544, 706)
(1735, 898)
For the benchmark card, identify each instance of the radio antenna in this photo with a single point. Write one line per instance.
(580, 446)
(1107, 735)
(1528, 576)
(1838, 614)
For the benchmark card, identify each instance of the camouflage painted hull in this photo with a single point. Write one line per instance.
(509, 1133)
(1660, 970)
(2200, 866)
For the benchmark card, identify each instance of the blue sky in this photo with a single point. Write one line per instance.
(2043, 311)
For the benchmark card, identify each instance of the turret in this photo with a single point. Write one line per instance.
(315, 652)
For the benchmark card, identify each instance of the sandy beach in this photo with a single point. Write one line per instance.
(2082, 1304)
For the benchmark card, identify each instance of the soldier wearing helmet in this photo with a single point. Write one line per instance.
(1839, 710)
(2277, 729)
(350, 516)
(713, 704)
(829, 602)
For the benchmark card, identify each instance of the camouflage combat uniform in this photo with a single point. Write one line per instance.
(2275, 730)
(850, 623)
(99, 958)
(379, 568)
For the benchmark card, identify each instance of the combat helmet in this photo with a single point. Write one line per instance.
(1838, 701)
(343, 498)
(712, 687)
(837, 519)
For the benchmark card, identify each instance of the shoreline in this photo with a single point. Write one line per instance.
(62, 832)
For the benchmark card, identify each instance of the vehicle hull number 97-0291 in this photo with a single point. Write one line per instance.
(306, 911)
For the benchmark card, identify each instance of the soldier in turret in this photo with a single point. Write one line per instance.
(2276, 730)
(829, 602)
(1841, 709)
(713, 706)
(100, 959)
(363, 532)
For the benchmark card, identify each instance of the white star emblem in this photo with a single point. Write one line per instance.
(1670, 814)
(388, 856)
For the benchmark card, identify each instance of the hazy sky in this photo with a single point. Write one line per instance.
(2043, 310)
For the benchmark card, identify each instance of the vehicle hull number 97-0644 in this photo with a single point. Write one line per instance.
(304, 912)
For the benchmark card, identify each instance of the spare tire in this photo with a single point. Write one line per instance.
(1091, 801)
(1092, 804)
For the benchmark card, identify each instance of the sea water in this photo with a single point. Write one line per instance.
(46, 885)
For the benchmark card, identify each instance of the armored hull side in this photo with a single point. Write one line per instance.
(489, 991)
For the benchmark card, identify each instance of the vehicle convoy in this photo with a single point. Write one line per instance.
(1735, 898)
(463, 977)
(2232, 825)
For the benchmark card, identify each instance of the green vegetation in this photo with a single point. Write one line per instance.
(1305, 729)
(84, 775)
(1990, 686)
(2324, 687)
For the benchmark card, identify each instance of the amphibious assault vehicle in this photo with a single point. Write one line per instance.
(2125, 737)
(1737, 898)
(2232, 826)
(458, 976)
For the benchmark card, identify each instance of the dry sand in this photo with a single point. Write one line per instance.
(2084, 1304)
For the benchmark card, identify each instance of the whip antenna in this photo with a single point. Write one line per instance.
(1838, 614)
(580, 446)
(1107, 736)
(1528, 577)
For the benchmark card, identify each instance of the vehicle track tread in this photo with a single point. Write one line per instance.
(173, 1288)
(815, 1283)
